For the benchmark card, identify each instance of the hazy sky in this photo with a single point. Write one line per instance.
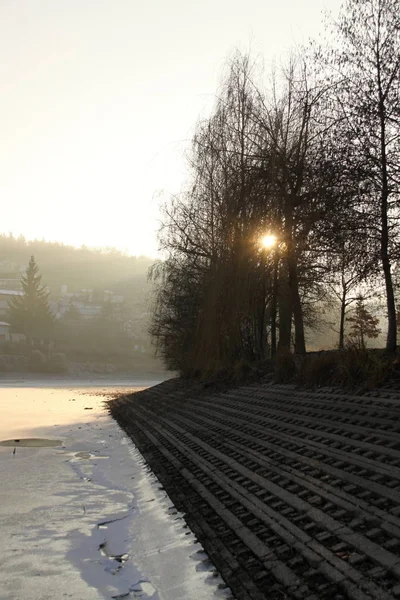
(99, 97)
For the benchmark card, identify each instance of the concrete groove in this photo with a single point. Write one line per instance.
(385, 558)
(374, 465)
(285, 502)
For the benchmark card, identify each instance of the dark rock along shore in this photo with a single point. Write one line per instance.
(293, 494)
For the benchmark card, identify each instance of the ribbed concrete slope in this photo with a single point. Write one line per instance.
(293, 494)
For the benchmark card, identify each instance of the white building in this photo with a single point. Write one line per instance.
(87, 311)
(4, 331)
(7, 336)
(5, 297)
(10, 283)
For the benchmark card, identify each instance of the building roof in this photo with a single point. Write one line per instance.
(11, 293)
(4, 324)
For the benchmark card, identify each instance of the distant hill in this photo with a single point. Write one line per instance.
(78, 268)
(121, 342)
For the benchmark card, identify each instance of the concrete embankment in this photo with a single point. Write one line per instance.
(293, 493)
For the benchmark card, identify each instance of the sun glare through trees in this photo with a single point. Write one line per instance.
(305, 160)
(268, 241)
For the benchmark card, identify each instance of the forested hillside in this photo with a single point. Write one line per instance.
(76, 267)
(100, 299)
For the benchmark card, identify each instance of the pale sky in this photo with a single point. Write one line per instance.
(99, 98)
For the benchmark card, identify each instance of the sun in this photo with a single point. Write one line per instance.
(268, 241)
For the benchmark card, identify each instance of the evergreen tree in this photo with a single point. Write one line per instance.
(30, 313)
(364, 325)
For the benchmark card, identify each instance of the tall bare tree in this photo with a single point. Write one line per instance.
(366, 65)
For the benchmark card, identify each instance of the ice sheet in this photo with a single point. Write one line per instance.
(87, 520)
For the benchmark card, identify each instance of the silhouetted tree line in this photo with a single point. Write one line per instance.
(311, 158)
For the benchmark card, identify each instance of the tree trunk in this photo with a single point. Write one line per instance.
(274, 306)
(299, 340)
(285, 313)
(259, 342)
(391, 341)
(342, 318)
(291, 260)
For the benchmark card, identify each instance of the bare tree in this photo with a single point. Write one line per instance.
(366, 66)
(350, 269)
(295, 139)
(211, 233)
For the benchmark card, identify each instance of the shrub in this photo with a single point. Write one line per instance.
(4, 364)
(242, 370)
(364, 367)
(57, 363)
(285, 368)
(353, 367)
(37, 361)
(320, 369)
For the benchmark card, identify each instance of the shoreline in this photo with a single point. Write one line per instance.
(83, 379)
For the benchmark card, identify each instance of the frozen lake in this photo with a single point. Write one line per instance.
(85, 519)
